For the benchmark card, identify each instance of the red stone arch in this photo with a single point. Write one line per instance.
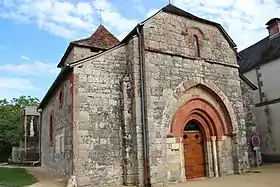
(204, 113)
(230, 118)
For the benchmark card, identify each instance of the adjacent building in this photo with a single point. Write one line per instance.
(165, 104)
(260, 63)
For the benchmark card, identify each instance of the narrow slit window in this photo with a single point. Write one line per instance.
(60, 99)
(196, 46)
(51, 130)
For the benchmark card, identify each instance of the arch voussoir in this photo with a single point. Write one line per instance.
(231, 123)
(202, 111)
(203, 123)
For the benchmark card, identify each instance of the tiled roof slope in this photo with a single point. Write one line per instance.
(260, 53)
(101, 39)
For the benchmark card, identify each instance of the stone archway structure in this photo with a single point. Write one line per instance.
(172, 105)
(204, 113)
(218, 124)
(220, 96)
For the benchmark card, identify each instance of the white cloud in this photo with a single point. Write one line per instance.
(84, 9)
(18, 79)
(137, 4)
(114, 18)
(25, 58)
(64, 18)
(31, 67)
(15, 84)
(244, 19)
(14, 87)
(151, 12)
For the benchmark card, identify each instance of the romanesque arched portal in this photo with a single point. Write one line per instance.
(212, 127)
(212, 141)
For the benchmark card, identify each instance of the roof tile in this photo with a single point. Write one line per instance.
(259, 53)
(101, 39)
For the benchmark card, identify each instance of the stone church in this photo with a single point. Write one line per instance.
(164, 105)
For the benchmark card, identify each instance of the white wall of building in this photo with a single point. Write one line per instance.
(268, 117)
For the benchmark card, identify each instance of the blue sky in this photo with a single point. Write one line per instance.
(34, 34)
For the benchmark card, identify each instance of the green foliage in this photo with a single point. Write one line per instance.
(15, 177)
(10, 113)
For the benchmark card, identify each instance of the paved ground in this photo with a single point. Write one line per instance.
(265, 176)
(268, 176)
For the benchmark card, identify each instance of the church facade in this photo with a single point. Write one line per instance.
(166, 104)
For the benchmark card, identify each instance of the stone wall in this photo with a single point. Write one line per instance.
(175, 34)
(58, 156)
(78, 53)
(250, 119)
(82, 52)
(132, 138)
(98, 115)
(225, 152)
(175, 161)
(170, 60)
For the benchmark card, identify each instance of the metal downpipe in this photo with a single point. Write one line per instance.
(143, 106)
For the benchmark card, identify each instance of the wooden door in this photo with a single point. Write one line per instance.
(194, 155)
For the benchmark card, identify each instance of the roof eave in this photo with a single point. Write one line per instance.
(60, 77)
(130, 34)
(70, 47)
(80, 61)
(248, 82)
(230, 40)
(240, 57)
(68, 50)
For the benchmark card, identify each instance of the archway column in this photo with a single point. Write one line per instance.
(215, 158)
(209, 159)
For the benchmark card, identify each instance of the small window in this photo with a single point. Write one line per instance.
(196, 46)
(95, 50)
(51, 130)
(60, 99)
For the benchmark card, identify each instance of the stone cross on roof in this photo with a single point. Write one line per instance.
(100, 15)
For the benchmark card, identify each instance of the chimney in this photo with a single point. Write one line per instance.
(273, 27)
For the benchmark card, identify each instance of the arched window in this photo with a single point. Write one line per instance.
(196, 46)
(192, 126)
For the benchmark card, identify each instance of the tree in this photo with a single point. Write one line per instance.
(10, 113)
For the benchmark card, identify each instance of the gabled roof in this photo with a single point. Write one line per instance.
(101, 39)
(177, 11)
(260, 53)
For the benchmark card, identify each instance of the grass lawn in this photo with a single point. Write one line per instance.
(15, 177)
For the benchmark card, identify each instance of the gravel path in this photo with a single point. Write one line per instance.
(46, 178)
